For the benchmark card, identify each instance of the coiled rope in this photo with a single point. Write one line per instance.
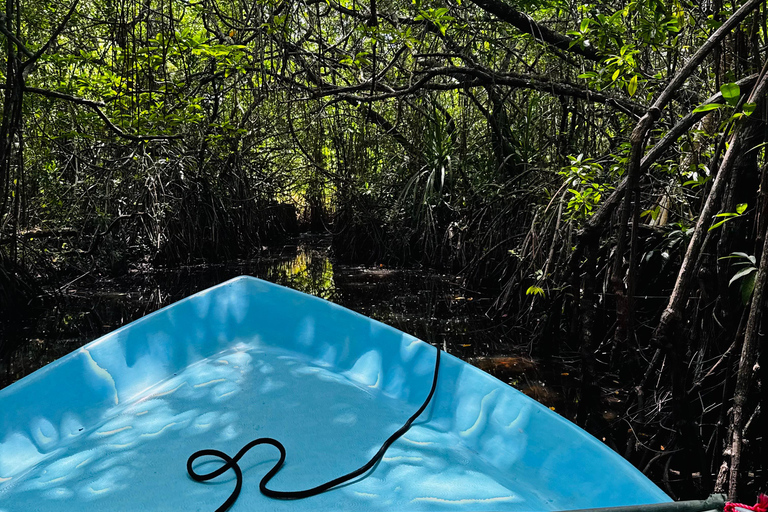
(760, 506)
(232, 462)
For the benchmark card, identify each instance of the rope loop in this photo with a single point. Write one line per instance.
(232, 462)
(760, 506)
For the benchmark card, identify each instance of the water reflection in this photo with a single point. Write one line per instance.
(310, 271)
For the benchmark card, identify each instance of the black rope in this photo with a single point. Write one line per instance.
(231, 462)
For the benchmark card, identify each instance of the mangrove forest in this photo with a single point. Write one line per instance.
(596, 173)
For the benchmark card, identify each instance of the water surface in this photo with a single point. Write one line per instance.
(432, 306)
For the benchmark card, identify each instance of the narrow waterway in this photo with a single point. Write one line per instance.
(431, 306)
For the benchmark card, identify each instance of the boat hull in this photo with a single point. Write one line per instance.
(110, 426)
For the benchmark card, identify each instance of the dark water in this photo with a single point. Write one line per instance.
(433, 307)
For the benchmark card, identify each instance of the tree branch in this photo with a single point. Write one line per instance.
(379, 120)
(526, 24)
(638, 142)
(482, 78)
(95, 106)
(607, 207)
(7, 33)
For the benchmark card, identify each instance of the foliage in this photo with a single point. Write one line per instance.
(746, 275)
(584, 179)
(729, 216)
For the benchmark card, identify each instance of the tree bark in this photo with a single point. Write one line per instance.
(526, 24)
(672, 314)
(749, 351)
(638, 138)
(750, 347)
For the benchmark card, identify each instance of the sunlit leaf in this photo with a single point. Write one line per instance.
(731, 93)
(632, 87)
(535, 290)
(707, 107)
(718, 224)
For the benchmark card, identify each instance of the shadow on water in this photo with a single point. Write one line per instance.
(431, 306)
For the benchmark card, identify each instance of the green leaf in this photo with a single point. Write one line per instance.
(741, 273)
(741, 208)
(747, 287)
(749, 108)
(707, 107)
(584, 25)
(534, 290)
(673, 26)
(731, 93)
(654, 213)
(744, 255)
(697, 182)
(632, 87)
(717, 225)
(615, 75)
(733, 255)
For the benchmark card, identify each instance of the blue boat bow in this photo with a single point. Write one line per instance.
(110, 426)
